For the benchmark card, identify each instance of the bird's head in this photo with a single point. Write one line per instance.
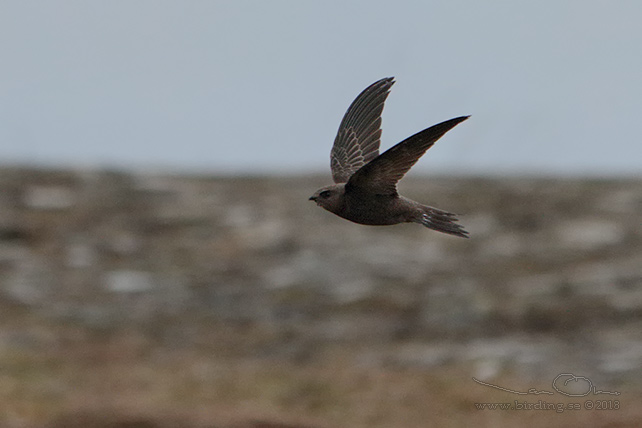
(330, 197)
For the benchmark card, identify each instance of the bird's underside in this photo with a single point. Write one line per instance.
(374, 210)
(386, 210)
(366, 182)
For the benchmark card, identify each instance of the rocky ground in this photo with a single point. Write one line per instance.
(158, 296)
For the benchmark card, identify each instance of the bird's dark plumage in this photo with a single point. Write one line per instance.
(358, 138)
(382, 173)
(366, 182)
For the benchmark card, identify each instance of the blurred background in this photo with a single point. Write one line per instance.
(160, 265)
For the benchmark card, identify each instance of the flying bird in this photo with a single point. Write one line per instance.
(366, 182)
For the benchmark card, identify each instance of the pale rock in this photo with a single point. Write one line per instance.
(30, 282)
(589, 234)
(353, 290)
(48, 197)
(128, 281)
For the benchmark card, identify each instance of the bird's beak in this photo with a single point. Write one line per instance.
(312, 198)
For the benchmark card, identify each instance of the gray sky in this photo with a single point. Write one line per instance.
(261, 86)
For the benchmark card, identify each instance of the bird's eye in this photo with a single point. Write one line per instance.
(325, 194)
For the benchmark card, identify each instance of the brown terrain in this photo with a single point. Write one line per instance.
(133, 300)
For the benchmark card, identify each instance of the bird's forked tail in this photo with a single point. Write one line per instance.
(441, 221)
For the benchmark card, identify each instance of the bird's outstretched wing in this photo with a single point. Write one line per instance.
(381, 175)
(357, 141)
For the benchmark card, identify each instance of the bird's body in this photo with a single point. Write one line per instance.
(370, 209)
(365, 191)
